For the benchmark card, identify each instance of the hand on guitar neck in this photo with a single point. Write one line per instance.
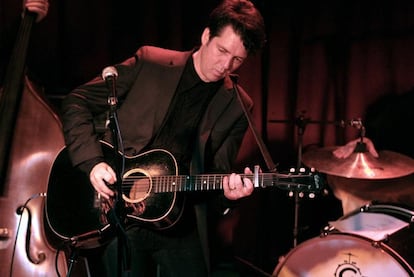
(40, 7)
(235, 186)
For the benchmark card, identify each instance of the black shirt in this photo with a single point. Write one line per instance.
(179, 129)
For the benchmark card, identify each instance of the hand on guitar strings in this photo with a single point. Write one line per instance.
(41, 7)
(236, 187)
(101, 175)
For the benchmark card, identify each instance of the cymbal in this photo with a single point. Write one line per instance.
(360, 165)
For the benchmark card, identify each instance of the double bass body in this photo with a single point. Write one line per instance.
(37, 139)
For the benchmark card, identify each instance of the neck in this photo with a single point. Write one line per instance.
(197, 67)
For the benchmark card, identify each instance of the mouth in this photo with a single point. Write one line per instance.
(219, 74)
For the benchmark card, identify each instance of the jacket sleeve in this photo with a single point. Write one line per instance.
(82, 106)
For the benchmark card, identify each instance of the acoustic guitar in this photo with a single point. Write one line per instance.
(152, 191)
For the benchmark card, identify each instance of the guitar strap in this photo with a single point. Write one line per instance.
(271, 166)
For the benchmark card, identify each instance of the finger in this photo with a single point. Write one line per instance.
(235, 182)
(40, 7)
(100, 185)
(108, 176)
(232, 181)
(248, 186)
(104, 190)
(112, 174)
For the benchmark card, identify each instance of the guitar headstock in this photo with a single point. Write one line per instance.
(302, 180)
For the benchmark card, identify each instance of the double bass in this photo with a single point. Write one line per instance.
(30, 139)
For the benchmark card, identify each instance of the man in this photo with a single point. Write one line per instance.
(181, 102)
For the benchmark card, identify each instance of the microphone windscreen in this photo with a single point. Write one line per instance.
(109, 71)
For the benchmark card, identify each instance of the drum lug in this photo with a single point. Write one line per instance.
(376, 244)
(326, 230)
(365, 207)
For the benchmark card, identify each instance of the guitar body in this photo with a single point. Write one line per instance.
(75, 212)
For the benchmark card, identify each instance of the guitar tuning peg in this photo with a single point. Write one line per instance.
(300, 194)
(301, 170)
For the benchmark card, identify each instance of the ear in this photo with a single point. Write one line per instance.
(205, 36)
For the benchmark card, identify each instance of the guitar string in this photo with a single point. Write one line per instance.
(170, 183)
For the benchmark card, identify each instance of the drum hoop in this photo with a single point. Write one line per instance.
(376, 244)
(376, 208)
(393, 253)
(381, 244)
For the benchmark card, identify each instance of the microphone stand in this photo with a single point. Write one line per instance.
(117, 214)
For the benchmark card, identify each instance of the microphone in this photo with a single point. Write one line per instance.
(109, 74)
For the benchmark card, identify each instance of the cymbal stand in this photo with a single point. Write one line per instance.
(301, 123)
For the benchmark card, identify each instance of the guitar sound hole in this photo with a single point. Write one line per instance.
(137, 187)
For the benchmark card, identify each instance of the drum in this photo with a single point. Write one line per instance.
(375, 240)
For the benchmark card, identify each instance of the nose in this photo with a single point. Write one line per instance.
(227, 64)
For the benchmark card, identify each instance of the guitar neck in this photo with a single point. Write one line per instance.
(145, 176)
(205, 182)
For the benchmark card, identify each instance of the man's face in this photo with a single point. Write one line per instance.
(219, 55)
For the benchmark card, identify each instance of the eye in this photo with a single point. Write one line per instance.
(222, 50)
(238, 60)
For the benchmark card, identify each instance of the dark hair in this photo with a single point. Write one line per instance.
(245, 19)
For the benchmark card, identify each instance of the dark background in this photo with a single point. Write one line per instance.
(324, 62)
